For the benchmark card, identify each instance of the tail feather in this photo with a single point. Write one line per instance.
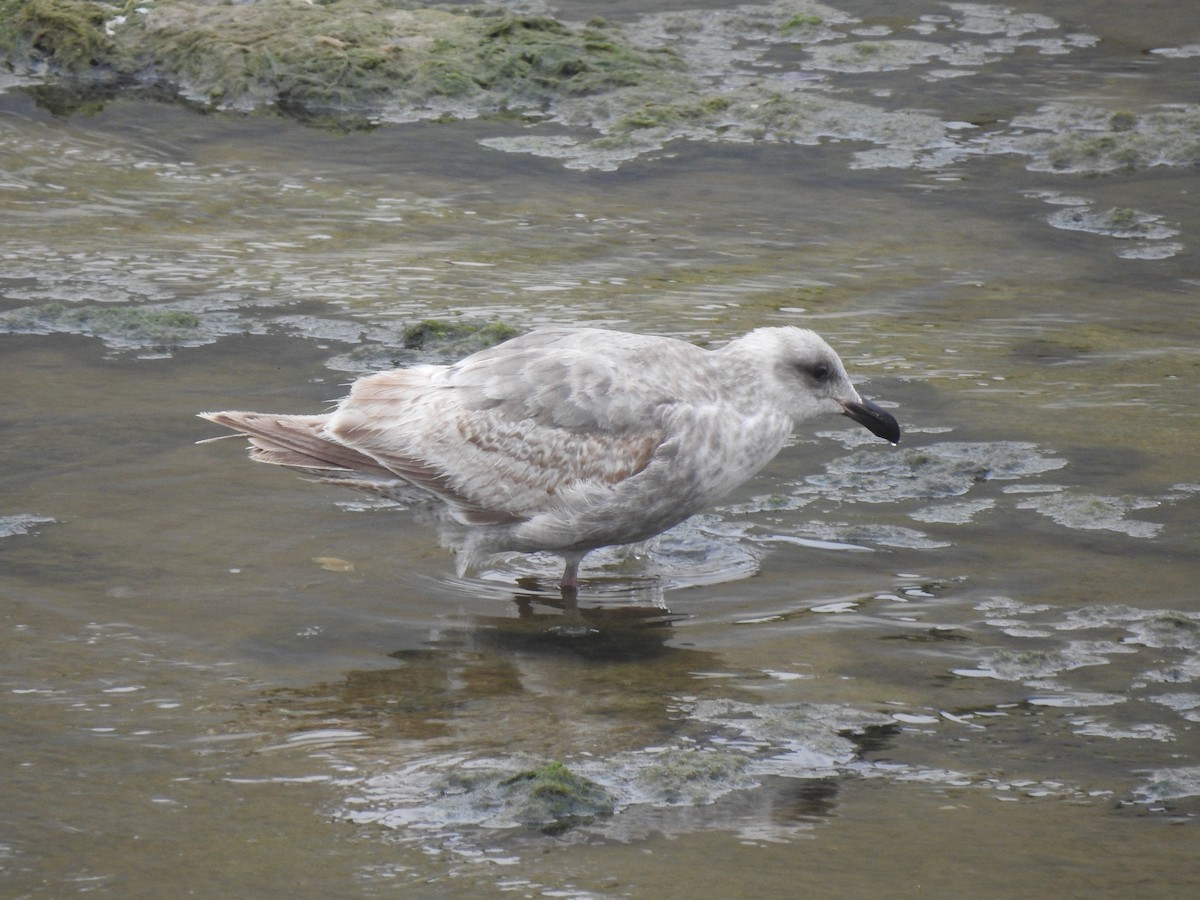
(299, 442)
(295, 442)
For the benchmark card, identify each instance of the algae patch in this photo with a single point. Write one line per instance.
(342, 62)
(750, 73)
(455, 337)
(427, 341)
(934, 472)
(807, 738)
(544, 795)
(152, 329)
(693, 777)
(551, 797)
(69, 35)
(1096, 513)
(1069, 138)
(1146, 233)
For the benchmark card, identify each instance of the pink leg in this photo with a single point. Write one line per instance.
(570, 579)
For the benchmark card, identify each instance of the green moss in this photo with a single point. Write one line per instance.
(662, 115)
(985, 119)
(1123, 219)
(133, 324)
(341, 60)
(801, 21)
(1061, 157)
(465, 336)
(647, 116)
(534, 58)
(1127, 157)
(449, 80)
(551, 797)
(68, 34)
(1098, 146)
(692, 776)
(715, 104)
(1122, 121)
(520, 25)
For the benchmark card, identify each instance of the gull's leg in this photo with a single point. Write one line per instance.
(569, 590)
(570, 579)
(569, 586)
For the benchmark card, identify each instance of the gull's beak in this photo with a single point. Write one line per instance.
(875, 419)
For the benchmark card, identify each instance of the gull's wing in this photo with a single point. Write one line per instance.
(503, 433)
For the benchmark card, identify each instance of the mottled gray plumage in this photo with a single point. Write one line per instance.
(568, 439)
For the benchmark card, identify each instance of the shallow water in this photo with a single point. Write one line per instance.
(970, 663)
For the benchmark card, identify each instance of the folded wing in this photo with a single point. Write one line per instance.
(500, 436)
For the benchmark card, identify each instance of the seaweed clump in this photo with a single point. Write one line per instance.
(552, 798)
(341, 62)
(1069, 138)
(456, 337)
(68, 35)
(140, 324)
(543, 795)
(438, 341)
(150, 330)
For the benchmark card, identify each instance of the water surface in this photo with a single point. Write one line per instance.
(970, 663)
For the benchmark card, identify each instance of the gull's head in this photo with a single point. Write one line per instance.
(805, 377)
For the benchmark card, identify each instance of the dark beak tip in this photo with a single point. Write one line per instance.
(875, 419)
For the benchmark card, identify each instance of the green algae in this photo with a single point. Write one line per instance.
(551, 797)
(150, 330)
(142, 324)
(456, 336)
(693, 777)
(1118, 222)
(1066, 138)
(697, 110)
(546, 795)
(343, 62)
(621, 92)
(438, 341)
(1122, 120)
(68, 34)
(801, 21)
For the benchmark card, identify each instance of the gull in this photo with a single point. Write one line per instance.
(567, 439)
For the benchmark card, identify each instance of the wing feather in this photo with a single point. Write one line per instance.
(504, 432)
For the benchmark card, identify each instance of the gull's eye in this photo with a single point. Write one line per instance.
(818, 371)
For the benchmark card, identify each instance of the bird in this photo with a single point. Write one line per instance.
(567, 439)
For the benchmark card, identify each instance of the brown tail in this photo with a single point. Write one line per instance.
(295, 441)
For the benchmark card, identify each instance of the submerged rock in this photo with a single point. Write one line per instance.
(551, 797)
(535, 793)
